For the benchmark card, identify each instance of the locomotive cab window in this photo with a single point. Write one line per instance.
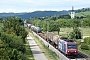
(71, 46)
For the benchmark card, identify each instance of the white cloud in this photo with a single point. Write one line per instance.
(17, 11)
(33, 5)
(8, 10)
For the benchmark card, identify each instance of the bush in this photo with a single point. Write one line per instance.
(76, 34)
(13, 41)
(84, 46)
(78, 42)
(87, 40)
(14, 54)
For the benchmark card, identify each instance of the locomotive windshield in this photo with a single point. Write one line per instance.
(71, 46)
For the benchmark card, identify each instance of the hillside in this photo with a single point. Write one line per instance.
(82, 13)
(10, 14)
(35, 14)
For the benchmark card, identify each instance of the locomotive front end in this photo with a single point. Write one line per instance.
(72, 48)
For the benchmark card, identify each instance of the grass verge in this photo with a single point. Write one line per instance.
(84, 51)
(78, 41)
(48, 53)
(28, 53)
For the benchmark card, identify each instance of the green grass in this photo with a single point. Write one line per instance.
(85, 51)
(28, 53)
(82, 13)
(65, 31)
(48, 53)
(86, 31)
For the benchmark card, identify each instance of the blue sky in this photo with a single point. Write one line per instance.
(41, 5)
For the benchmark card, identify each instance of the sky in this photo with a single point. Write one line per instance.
(17, 6)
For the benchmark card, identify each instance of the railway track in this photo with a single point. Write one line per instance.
(83, 56)
(80, 55)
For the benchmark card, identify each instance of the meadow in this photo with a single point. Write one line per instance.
(82, 13)
(65, 31)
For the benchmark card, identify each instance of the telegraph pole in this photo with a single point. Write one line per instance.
(47, 22)
(58, 29)
(37, 26)
(47, 25)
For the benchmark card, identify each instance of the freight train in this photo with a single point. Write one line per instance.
(65, 45)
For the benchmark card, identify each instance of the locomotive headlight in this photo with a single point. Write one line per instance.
(75, 51)
(68, 51)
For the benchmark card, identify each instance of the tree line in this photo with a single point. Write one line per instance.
(57, 22)
(82, 10)
(53, 24)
